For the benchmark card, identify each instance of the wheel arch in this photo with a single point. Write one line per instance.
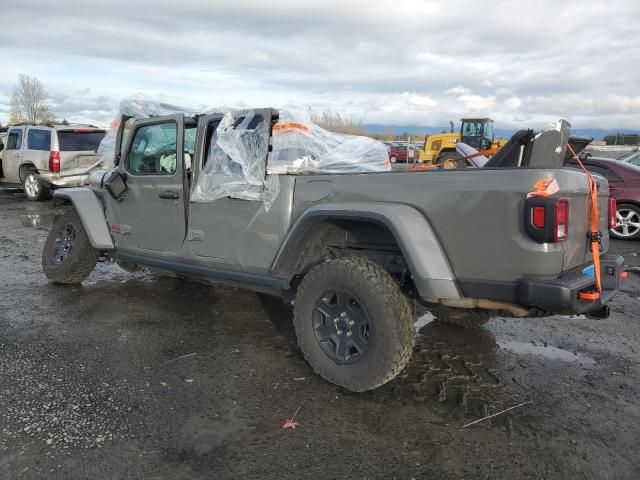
(409, 229)
(24, 168)
(635, 203)
(91, 213)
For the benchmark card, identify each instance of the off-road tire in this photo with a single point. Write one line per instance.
(463, 317)
(42, 190)
(387, 309)
(82, 257)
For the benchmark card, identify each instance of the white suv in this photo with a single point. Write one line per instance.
(42, 157)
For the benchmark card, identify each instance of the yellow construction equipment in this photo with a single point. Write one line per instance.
(440, 149)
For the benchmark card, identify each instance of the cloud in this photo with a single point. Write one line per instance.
(513, 103)
(376, 61)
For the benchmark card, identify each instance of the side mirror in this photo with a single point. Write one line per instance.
(116, 185)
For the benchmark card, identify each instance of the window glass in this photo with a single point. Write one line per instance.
(633, 159)
(14, 139)
(154, 150)
(80, 141)
(488, 130)
(38, 139)
(190, 140)
(471, 129)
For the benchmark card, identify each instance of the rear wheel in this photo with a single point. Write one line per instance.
(354, 325)
(393, 159)
(628, 226)
(68, 256)
(34, 188)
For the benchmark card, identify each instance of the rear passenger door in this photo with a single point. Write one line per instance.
(616, 184)
(12, 155)
(235, 232)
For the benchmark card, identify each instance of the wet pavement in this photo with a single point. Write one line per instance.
(133, 375)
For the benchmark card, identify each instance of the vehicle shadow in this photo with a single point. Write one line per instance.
(280, 314)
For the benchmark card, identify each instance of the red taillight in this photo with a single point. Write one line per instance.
(538, 217)
(561, 228)
(613, 213)
(54, 162)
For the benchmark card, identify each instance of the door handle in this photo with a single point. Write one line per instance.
(169, 195)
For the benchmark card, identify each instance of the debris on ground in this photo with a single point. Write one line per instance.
(289, 423)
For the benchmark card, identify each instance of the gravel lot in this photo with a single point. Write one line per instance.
(132, 375)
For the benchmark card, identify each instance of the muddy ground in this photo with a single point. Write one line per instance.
(132, 375)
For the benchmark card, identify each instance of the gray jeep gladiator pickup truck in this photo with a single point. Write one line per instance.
(355, 253)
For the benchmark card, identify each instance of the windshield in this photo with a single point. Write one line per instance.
(80, 141)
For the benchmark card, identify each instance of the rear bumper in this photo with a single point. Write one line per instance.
(60, 181)
(560, 295)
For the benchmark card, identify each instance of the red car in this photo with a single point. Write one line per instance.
(399, 153)
(624, 184)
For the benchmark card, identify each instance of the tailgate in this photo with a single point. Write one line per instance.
(577, 247)
(76, 162)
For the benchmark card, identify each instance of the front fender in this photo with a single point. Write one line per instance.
(427, 261)
(91, 213)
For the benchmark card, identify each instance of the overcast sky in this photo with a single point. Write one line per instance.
(382, 61)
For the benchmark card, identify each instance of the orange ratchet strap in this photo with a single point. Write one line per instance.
(415, 167)
(594, 233)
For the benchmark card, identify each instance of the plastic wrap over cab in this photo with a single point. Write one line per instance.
(137, 107)
(300, 146)
(236, 161)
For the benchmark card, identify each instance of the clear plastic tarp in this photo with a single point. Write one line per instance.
(300, 147)
(235, 162)
(138, 106)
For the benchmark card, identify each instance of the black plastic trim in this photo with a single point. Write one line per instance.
(552, 295)
(253, 281)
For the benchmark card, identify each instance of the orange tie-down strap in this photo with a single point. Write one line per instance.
(426, 166)
(594, 232)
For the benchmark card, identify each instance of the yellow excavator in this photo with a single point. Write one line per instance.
(440, 149)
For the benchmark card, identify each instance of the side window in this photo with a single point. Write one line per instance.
(154, 149)
(38, 139)
(14, 139)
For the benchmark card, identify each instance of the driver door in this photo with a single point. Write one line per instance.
(151, 217)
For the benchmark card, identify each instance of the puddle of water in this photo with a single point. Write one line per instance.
(37, 221)
(552, 353)
(425, 319)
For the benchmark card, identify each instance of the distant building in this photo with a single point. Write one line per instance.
(622, 139)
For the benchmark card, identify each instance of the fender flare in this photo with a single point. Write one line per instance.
(91, 213)
(427, 261)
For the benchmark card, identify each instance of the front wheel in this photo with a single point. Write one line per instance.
(34, 188)
(628, 222)
(451, 160)
(354, 325)
(68, 256)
